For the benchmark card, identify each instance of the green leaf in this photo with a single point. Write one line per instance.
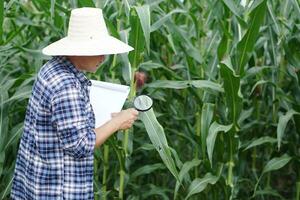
(126, 66)
(198, 185)
(260, 141)
(15, 134)
(166, 157)
(283, 120)
(261, 82)
(292, 48)
(155, 191)
(135, 40)
(2, 159)
(18, 96)
(223, 47)
(269, 192)
(296, 7)
(144, 16)
(147, 169)
(232, 87)
(214, 129)
(184, 173)
(277, 163)
(7, 188)
(231, 5)
(158, 139)
(3, 117)
(245, 114)
(1, 19)
(52, 8)
(273, 17)
(86, 3)
(246, 45)
(256, 70)
(164, 18)
(205, 84)
(202, 84)
(127, 7)
(207, 114)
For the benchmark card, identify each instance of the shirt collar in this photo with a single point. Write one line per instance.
(79, 74)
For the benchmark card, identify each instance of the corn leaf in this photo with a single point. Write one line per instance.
(202, 84)
(260, 141)
(277, 163)
(1, 20)
(269, 192)
(261, 82)
(231, 5)
(187, 166)
(86, 3)
(232, 87)
(207, 114)
(5, 191)
(158, 139)
(15, 135)
(147, 169)
(3, 117)
(199, 184)
(2, 158)
(135, 39)
(144, 16)
(156, 25)
(214, 129)
(283, 120)
(296, 7)
(246, 45)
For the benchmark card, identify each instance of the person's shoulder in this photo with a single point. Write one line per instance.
(56, 75)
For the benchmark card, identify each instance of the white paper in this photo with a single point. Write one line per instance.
(107, 98)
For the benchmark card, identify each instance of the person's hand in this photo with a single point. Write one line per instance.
(125, 118)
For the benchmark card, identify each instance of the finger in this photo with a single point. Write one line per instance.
(134, 115)
(135, 112)
(114, 114)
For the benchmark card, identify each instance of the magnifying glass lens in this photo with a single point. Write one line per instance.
(143, 103)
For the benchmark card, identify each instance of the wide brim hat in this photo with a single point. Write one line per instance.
(87, 36)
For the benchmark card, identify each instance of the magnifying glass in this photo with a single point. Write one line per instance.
(143, 103)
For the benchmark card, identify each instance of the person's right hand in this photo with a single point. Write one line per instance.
(125, 118)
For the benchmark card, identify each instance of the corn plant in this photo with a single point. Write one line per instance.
(224, 77)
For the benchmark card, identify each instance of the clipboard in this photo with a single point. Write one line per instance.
(107, 98)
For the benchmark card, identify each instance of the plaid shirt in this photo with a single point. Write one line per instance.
(55, 157)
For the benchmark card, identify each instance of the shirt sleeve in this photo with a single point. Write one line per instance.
(70, 118)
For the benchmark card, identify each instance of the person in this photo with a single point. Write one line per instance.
(55, 156)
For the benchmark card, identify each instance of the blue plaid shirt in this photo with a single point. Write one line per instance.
(55, 157)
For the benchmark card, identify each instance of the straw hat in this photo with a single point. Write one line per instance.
(87, 36)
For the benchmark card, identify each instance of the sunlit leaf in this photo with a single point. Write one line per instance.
(158, 139)
(144, 16)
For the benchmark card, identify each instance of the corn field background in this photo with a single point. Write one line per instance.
(224, 77)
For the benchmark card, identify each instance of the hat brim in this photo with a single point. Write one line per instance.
(93, 47)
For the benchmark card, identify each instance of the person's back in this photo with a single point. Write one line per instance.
(47, 156)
